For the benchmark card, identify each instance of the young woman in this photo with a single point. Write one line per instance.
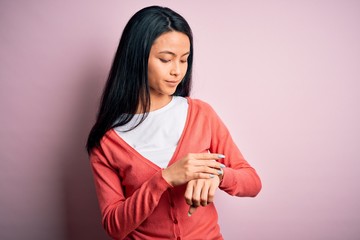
(158, 155)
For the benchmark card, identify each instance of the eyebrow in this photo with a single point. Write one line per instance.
(171, 53)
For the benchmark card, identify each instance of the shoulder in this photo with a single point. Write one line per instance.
(109, 144)
(202, 111)
(200, 105)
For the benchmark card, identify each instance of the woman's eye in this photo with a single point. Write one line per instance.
(183, 61)
(164, 60)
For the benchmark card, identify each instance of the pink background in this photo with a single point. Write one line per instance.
(283, 75)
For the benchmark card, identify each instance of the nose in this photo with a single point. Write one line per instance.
(175, 69)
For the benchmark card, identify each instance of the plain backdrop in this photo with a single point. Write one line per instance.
(283, 75)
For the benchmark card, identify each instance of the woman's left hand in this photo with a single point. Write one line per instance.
(201, 192)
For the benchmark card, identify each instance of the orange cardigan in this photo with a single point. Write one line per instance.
(137, 203)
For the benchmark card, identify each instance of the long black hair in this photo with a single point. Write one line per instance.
(127, 86)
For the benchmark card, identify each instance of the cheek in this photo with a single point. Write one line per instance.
(156, 72)
(153, 69)
(184, 69)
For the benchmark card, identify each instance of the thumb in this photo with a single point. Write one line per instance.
(192, 209)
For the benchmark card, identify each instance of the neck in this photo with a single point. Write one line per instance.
(159, 101)
(156, 102)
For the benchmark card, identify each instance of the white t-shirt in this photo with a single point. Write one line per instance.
(157, 136)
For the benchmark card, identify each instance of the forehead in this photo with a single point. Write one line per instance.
(172, 41)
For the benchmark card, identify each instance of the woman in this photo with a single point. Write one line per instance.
(158, 155)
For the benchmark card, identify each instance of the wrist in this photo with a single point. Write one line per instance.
(165, 174)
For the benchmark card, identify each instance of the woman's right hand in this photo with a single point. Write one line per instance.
(193, 166)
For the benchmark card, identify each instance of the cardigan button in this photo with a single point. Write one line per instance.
(176, 221)
(178, 238)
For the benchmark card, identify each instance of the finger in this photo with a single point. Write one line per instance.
(203, 175)
(197, 192)
(211, 194)
(189, 192)
(207, 156)
(191, 211)
(204, 194)
(209, 163)
(210, 170)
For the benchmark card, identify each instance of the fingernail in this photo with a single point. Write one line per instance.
(221, 156)
(219, 172)
(222, 165)
(212, 175)
(189, 214)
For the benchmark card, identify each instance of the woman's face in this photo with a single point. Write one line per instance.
(167, 63)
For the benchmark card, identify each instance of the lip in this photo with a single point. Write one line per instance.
(172, 82)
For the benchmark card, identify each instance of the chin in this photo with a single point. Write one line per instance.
(172, 92)
(169, 92)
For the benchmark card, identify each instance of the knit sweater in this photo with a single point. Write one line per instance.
(137, 203)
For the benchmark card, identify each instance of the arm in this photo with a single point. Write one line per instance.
(239, 178)
(121, 215)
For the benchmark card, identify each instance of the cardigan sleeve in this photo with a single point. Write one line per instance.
(239, 179)
(120, 215)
